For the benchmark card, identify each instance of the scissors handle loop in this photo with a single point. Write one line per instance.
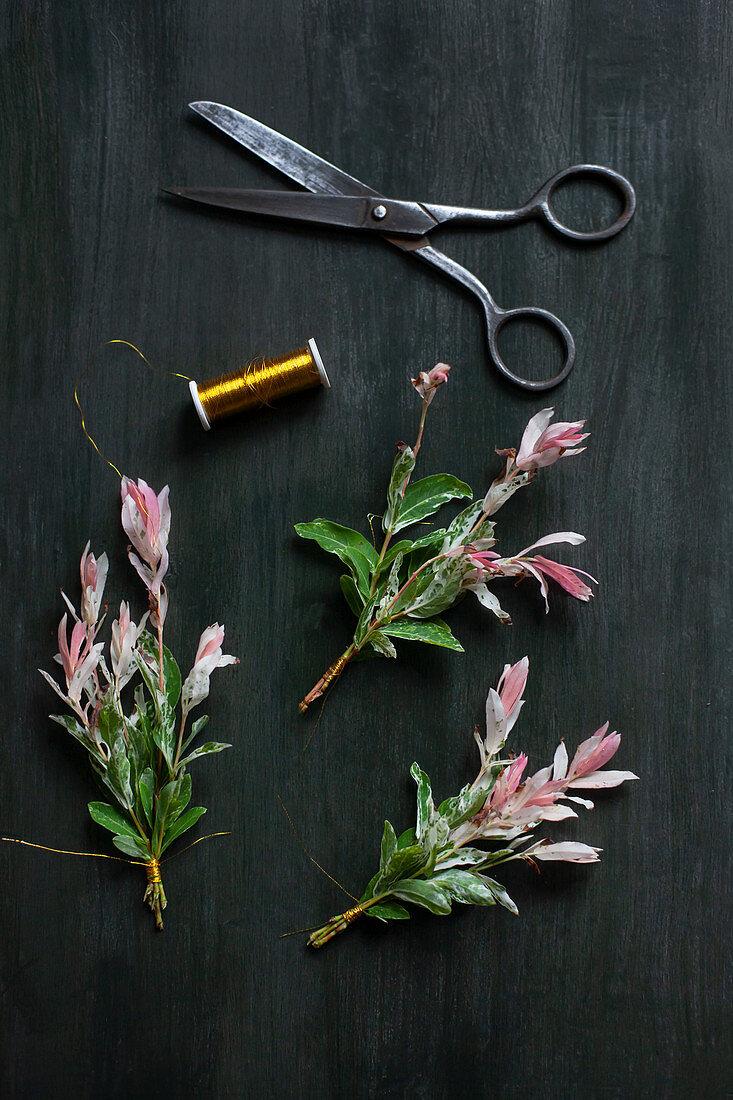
(495, 321)
(541, 202)
(496, 318)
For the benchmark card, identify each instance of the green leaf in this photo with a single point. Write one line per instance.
(381, 644)
(146, 789)
(369, 892)
(424, 799)
(402, 862)
(164, 735)
(472, 857)
(171, 671)
(464, 805)
(184, 822)
(429, 895)
(432, 828)
(435, 632)
(425, 548)
(389, 845)
(71, 726)
(350, 546)
(423, 498)
(388, 910)
(141, 741)
(109, 721)
(392, 586)
(351, 594)
(204, 750)
(402, 468)
(162, 722)
(403, 547)
(406, 839)
(131, 847)
(365, 618)
(181, 799)
(118, 772)
(442, 591)
(464, 523)
(365, 654)
(166, 799)
(111, 819)
(466, 887)
(149, 675)
(428, 541)
(196, 728)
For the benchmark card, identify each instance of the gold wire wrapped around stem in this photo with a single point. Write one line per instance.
(154, 893)
(335, 926)
(332, 673)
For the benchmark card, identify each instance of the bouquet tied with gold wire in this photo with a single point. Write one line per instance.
(399, 591)
(130, 710)
(438, 862)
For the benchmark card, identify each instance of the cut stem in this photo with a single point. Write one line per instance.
(329, 677)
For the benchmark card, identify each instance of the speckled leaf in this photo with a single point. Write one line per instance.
(423, 498)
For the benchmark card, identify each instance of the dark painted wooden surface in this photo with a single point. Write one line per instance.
(611, 982)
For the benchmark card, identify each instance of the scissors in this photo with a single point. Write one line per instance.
(338, 199)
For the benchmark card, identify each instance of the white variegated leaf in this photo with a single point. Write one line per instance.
(487, 599)
(495, 723)
(560, 763)
(581, 801)
(597, 780)
(557, 813)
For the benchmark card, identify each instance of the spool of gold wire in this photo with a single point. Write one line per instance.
(259, 383)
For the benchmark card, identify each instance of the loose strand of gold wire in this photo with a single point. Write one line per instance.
(83, 374)
(258, 384)
(152, 865)
(356, 910)
(310, 857)
(63, 852)
(193, 845)
(314, 731)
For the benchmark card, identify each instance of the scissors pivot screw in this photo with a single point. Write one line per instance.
(379, 212)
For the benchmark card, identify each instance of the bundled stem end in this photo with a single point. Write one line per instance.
(334, 927)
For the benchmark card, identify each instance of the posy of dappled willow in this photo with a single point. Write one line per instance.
(131, 712)
(439, 862)
(400, 590)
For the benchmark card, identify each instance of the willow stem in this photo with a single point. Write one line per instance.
(329, 677)
(389, 532)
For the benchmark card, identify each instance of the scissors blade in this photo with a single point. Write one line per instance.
(351, 212)
(293, 160)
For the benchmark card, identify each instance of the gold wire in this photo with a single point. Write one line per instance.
(298, 931)
(310, 857)
(94, 354)
(259, 383)
(153, 871)
(193, 845)
(152, 866)
(351, 914)
(327, 679)
(63, 852)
